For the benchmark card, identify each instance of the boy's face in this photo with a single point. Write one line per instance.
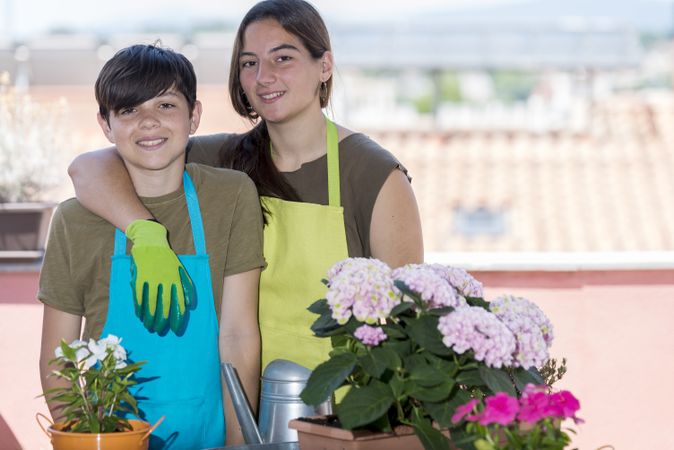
(153, 135)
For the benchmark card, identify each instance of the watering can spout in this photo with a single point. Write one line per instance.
(280, 402)
(251, 434)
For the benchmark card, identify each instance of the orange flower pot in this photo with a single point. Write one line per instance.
(135, 439)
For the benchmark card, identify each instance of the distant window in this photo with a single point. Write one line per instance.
(479, 221)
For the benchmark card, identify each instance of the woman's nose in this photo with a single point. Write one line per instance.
(265, 74)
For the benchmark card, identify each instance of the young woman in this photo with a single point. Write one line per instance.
(328, 193)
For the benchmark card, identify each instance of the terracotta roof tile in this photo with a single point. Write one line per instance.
(608, 189)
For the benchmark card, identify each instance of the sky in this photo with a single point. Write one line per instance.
(24, 18)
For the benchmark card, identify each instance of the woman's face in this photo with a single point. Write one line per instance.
(278, 75)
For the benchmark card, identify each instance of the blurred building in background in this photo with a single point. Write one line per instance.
(519, 136)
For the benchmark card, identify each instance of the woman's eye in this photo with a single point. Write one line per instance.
(284, 58)
(246, 64)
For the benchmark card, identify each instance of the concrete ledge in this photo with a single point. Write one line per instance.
(554, 261)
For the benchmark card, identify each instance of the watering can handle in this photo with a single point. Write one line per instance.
(37, 419)
(152, 428)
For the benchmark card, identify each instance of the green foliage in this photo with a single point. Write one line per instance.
(96, 395)
(513, 86)
(411, 378)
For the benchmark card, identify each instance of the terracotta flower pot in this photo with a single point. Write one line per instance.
(135, 439)
(315, 436)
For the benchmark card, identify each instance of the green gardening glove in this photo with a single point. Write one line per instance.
(162, 289)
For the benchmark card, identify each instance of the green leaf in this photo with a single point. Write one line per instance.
(319, 307)
(424, 331)
(461, 439)
(441, 311)
(378, 360)
(68, 352)
(431, 438)
(470, 377)
(497, 380)
(401, 308)
(325, 326)
(407, 291)
(435, 393)
(394, 331)
(402, 348)
(477, 301)
(422, 372)
(364, 405)
(482, 444)
(523, 377)
(442, 412)
(327, 377)
(397, 387)
(446, 367)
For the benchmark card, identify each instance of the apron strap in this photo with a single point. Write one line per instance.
(334, 196)
(195, 219)
(195, 215)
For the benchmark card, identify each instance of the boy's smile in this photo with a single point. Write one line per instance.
(151, 139)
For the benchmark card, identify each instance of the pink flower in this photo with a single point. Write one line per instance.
(462, 410)
(368, 335)
(500, 408)
(564, 405)
(534, 404)
(474, 328)
(433, 289)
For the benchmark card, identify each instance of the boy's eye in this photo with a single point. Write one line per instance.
(167, 105)
(125, 111)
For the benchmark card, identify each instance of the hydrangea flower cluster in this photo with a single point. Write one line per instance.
(371, 336)
(361, 287)
(88, 354)
(429, 284)
(474, 328)
(532, 329)
(460, 279)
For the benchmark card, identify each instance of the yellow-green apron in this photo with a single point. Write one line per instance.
(301, 242)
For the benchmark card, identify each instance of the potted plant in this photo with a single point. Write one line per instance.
(95, 398)
(33, 143)
(415, 343)
(530, 422)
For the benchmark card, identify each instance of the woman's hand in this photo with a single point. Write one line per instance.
(162, 289)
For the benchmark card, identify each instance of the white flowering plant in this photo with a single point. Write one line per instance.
(98, 376)
(416, 343)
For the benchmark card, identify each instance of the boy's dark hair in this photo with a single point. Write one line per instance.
(141, 72)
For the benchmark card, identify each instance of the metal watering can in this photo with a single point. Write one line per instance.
(282, 383)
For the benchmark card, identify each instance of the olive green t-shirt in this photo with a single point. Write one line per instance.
(364, 166)
(75, 273)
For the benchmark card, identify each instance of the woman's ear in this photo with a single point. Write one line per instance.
(326, 66)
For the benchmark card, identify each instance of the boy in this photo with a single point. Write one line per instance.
(148, 109)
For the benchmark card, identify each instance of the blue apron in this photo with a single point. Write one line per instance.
(182, 373)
